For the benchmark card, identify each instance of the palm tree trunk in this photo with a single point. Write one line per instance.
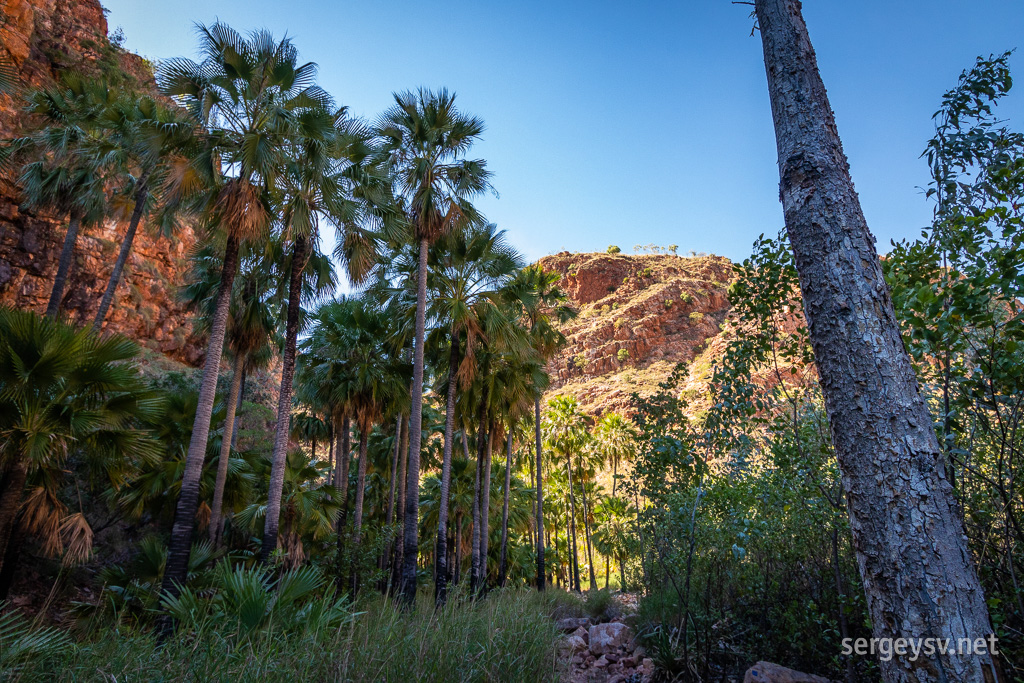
(485, 511)
(357, 521)
(238, 412)
(622, 571)
(540, 496)
(474, 576)
(457, 574)
(341, 483)
(386, 553)
(397, 560)
(574, 552)
(607, 571)
(410, 543)
(64, 265)
(284, 401)
(330, 453)
(586, 533)
(503, 562)
(12, 488)
(216, 516)
(141, 195)
(180, 546)
(918, 573)
(441, 553)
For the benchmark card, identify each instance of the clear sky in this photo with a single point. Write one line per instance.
(634, 122)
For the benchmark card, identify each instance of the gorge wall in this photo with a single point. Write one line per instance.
(638, 317)
(42, 38)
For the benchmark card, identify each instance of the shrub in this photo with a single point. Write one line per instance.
(623, 355)
(606, 308)
(613, 249)
(696, 315)
(580, 361)
(598, 604)
(668, 303)
(646, 272)
(619, 322)
(686, 297)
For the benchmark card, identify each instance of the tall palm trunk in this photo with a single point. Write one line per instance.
(586, 532)
(386, 553)
(622, 570)
(238, 413)
(474, 576)
(540, 496)
(410, 552)
(141, 196)
(284, 401)
(441, 553)
(503, 562)
(574, 552)
(485, 511)
(12, 488)
(357, 520)
(456, 574)
(188, 500)
(397, 560)
(67, 252)
(330, 453)
(341, 483)
(918, 573)
(216, 516)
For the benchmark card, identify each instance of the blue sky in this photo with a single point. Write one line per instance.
(634, 122)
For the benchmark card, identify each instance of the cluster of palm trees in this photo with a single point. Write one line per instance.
(443, 350)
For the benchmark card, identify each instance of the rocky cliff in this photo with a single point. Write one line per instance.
(42, 38)
(639, 317)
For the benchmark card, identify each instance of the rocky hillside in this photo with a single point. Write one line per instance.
(639, 317)
(42, 38)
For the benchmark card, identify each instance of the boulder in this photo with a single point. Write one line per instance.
(582, 633)
(575, 644)
(606, 638)
(766, 672)
(570, 624)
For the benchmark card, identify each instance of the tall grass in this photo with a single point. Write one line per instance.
(509, 636)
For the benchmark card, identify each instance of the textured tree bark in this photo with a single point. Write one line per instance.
(300, 251)
(396, 566)
(67, 252)
(180, 546)
(390, 517)
(341, 483)
(503, 558)
(457, 573)
(410, 551)
(586, 533)
(474, 574)
(918, 575)
(441, 553)
(141, 196)
(357, 520)
(216, 515)
(540, 495)
(485, 510)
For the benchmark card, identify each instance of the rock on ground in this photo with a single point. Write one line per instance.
(766, 672)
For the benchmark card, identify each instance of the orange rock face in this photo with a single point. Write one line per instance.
(639, 317)
(42, 38)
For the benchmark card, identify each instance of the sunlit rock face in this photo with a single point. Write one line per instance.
(43, 38)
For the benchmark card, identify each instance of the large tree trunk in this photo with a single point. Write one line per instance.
(918, 574)
(141, 196)
(67, 253)
(357, 520)
(503, 560)
(410, 543)
(188, 500)
(238, 412)
(284, 401)
(217, 516)
(12, 488)
(441, 553)
(540, 495)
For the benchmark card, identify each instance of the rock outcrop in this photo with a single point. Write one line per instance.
(42, 38)
(639, 317)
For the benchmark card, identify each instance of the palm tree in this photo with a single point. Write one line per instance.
(612, 536)
(567, 437)
(250, 332)
(467, 272)
(616, 440)
(326, 177)
(354, 333)
(149, 144)
(424, 140)
(64, 391)
(60, 168)
(243, 94)
(544, 305)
